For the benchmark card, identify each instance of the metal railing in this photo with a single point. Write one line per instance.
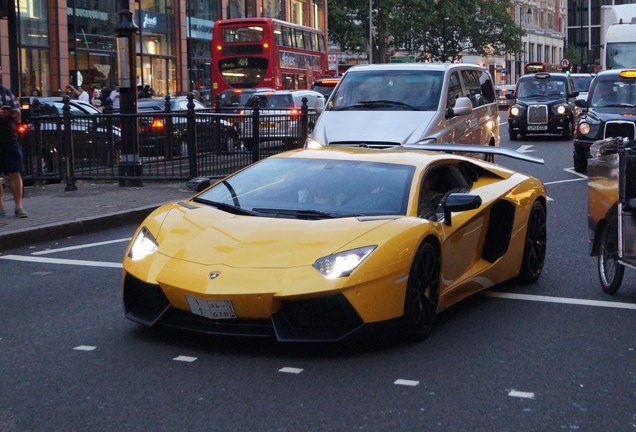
(172, 145)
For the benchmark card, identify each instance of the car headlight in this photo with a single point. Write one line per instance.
(515, 111)
(312, 143)
(561, 109)
(144, 244)
(584, 128)
(342, 263)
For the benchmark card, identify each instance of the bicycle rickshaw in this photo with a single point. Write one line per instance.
(612, 209)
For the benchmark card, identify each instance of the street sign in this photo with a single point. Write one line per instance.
(565, 63)
(331, 58)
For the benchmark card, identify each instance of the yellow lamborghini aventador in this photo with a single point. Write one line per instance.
(321, 245)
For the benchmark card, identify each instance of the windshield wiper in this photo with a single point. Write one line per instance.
(226, 207)
(300, 214)
(376, 104)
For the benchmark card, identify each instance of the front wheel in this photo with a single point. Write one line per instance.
(535, 245)
(422, 294)
(580, 165)
(513, 135)
(610, 271)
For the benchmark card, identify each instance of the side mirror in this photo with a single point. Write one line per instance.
(460, 202)
(463, 106)
(198, 184)
(319, 105)
(574, 94)
(510, 95)
(581, 103)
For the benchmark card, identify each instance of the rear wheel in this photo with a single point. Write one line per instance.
(610, 271)
(535, 245)
(422, 294)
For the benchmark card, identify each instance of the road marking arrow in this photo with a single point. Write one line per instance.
(525, 148)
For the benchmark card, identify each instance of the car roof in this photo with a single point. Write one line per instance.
(613, 72)
(418, 158)
(414, 66)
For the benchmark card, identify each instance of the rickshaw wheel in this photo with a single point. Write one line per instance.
(610, 271)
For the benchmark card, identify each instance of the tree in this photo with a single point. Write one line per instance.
(439, 30)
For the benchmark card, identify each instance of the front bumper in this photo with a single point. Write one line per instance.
(329, 318)
(555, 125)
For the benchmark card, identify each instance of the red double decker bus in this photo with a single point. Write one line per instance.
(265, 52)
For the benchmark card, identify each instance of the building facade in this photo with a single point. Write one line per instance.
(61, 42)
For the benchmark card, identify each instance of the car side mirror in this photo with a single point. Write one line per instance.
(198, 184)
(574, 94)
(510, 96)
(319, 105)
(463, 106)
(581, 103)
(460, 202)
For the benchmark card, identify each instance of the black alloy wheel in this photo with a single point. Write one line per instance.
(535, 245)
(422, 294)
(610, 271)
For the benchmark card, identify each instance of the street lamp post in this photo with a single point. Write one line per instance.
(129, 163)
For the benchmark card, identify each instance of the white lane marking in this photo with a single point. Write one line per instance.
(49, 251)
(404, 382)
(564, 181)
(185, 358)
(62, 261)
(563, 300)
(291, 370)
(526, 148)
(571, 171)
(85, 348)
(520, 394)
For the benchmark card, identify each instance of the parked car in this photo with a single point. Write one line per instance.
(96, 141)
(611, 112)
(325, 85)
(153, 140)
(390, 105)
(544, 105)
(280, 116)
(325, 245)
(506, 95)
(582, 83)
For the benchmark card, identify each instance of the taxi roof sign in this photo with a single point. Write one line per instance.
(542, 75)
(627, 74)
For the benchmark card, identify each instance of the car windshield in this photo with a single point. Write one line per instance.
(235, 98)
(388, 90)
(275, 101)
(614, 93)
(533, 87)
(314, 189)
(582, 83)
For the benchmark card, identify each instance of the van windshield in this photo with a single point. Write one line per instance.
(388, 90)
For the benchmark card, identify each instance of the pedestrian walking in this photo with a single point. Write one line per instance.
(79, 93)
(11, 163)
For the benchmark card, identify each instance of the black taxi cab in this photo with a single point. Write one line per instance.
(545, 104)
(611, 112)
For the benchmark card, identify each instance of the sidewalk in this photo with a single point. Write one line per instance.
(54, 213)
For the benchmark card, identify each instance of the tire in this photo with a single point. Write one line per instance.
(580, 165)
(513, 135)
(567, 133)
(535, 245)
(610, 272)
(422, 294)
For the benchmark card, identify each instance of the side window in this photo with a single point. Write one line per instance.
(487, 87)
(454, 90)
(473, 88)
(437, 183)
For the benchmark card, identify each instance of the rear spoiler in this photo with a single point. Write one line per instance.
(470, 148)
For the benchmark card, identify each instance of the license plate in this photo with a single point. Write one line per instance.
(213, 309)
(538, 128)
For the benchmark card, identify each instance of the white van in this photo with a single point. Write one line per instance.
(389, 105)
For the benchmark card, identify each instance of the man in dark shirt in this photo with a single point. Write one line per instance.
(10, 151)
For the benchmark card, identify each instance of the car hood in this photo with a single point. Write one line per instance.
(541, 101)
(606, 114)
(208, 236)
(402, 127)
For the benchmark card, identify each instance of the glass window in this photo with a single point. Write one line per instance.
(242, 34)
(454, 90)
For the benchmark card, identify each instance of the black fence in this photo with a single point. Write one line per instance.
(170, 145)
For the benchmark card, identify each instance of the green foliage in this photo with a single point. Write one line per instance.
(433, 30)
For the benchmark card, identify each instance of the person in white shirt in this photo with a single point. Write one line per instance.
(114, 96)
(79, 93)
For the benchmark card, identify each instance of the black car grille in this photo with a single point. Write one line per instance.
(619, 128)
(537, 114)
